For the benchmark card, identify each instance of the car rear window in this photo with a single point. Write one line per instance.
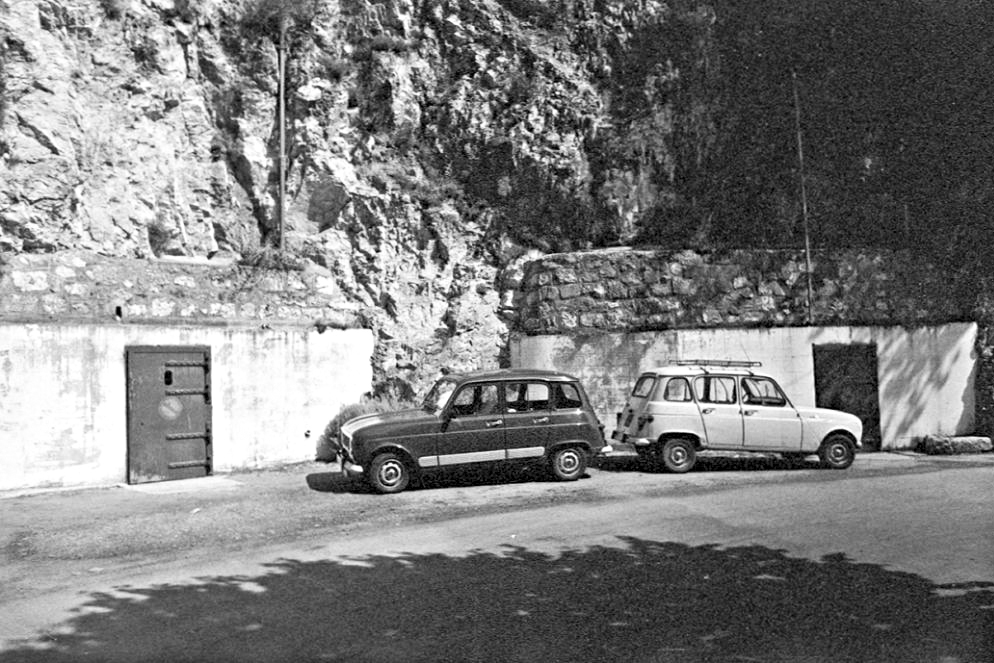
(566, 397)
(677, 389)
(644, 386)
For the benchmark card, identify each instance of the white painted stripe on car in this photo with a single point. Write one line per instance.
(475, 457)
(428, 461)
(525, 452)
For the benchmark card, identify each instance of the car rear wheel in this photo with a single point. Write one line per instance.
(568, 463)
(836, 452)
(388, 473)
(678, 455)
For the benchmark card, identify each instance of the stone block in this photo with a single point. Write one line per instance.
(682, 286)
(661, 289)
(595, 320)
(943, 445)
(567, 320)
(30, 281)
(570, 290)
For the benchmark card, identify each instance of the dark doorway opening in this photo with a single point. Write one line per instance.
(169, 413)
(846, 379)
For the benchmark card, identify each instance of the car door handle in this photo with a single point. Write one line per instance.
(748, 413)
(495, 422)
(541, 420)
(708, 410)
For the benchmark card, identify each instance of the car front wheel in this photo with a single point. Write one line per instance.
(678, 455)
(568, 463)
(836, 452)
(388, 473)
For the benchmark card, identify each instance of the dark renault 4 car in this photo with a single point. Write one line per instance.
(494, 418)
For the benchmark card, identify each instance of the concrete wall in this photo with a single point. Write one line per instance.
(63, 395)
(926, 375)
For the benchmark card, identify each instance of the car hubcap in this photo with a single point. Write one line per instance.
(837, 453)
(568, 462)
(391, 473)
(678, 456)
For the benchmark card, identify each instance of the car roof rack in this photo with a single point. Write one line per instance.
(724, 363)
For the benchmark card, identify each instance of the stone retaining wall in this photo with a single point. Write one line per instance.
(84, 286)
(637, 290)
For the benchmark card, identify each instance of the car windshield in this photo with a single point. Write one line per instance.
(438, 396)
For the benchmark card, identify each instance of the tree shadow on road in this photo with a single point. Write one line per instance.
(642, 601)
(717, 462)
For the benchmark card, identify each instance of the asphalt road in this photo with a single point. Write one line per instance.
(883, 562)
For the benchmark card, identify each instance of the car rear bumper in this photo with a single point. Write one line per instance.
(625, 438)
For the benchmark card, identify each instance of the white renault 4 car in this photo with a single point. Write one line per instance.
(687, 406)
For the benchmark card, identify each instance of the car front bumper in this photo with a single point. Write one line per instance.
(351, 469)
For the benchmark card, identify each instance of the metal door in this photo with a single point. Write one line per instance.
(169, 413)
(846, 379)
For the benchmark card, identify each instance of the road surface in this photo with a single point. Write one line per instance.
(780, 566)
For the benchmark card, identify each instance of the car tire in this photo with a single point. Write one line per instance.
(836, 452)
(568, 463)
(678, 455)
(388, 473)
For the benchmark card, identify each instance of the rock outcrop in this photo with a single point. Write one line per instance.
(431, 145)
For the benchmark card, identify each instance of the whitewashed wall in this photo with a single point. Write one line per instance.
(63, 391)
(925, 375)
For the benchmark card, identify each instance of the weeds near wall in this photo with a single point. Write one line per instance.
(274, 259)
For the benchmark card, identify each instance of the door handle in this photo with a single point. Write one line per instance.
(708, 410)
(495, 422)
(541, 420)
(748, 413)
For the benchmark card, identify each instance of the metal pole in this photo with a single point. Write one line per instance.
(281, 64)
(804, 194)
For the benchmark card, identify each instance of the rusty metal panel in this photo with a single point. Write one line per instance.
(169, 412)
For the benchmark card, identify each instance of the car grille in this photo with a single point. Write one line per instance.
(345, 444)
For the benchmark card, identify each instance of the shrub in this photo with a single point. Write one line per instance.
(273, 259)
(327, 446)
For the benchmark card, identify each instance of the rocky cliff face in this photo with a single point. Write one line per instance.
(431, 144)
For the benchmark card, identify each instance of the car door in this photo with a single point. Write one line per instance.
(528, 418)
(568, 421)
(473, 431)
(769, 420)
(720, 411)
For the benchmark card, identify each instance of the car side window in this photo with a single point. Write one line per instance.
(476, 399)
(526, 396)
(762, 391)
(677, 389)
(566, 397)
(715, 389)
